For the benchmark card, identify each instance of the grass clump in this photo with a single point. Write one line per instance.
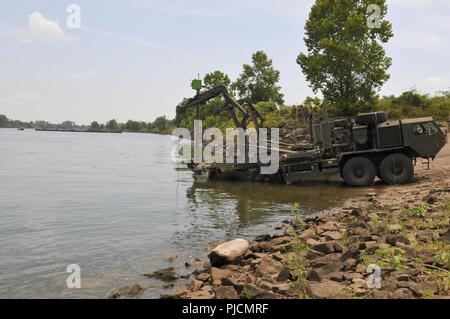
(297, 264)
(442, 258)
(387, 258)
(418, 211)
(297, 220)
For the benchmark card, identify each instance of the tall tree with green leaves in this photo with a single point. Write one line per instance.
(259, 81)
(4, 121)
(345, 58)
(112, 126)
(94, 126)
(216, 78)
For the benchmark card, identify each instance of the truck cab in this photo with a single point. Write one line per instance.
(423, 137)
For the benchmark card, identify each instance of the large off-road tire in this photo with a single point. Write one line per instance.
(396, 169)
(359, 171)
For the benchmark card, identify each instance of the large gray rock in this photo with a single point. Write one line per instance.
(167, 275)
(229, 252)
(326, 290)
(235, 283)
(251, 291)
(176, 293)
(321, 273)
(226, 292)
(127, 292)
(324, 248)
(269, 267)
(218, 274)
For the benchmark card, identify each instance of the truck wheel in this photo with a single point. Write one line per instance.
(396, 169)
(359, 171)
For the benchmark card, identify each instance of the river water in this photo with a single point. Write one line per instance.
(117, 206)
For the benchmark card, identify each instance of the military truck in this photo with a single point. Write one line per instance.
(359, 149)
(367, 146)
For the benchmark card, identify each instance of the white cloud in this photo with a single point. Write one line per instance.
(42, 27)
(39, 28)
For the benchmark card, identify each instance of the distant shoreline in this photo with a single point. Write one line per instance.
(75, 131)
(82, 131)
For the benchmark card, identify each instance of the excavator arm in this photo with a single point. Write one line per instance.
(231, 105)
(255, 115)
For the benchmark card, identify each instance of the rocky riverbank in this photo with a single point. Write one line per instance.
(328, 256)
(402, 230)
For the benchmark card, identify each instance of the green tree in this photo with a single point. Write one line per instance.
(112, 126)
(4, 121)
(259, 80)
(134, 126)
(216, 78)
(161, 124)
(345, 59)
(67, 125)
(95, 126)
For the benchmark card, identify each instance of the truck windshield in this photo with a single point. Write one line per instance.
(426, 129)
(434, 129)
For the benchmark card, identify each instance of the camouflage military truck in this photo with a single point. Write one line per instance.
(358, 149)
(365, 147)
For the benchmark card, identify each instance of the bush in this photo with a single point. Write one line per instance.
(414, 104)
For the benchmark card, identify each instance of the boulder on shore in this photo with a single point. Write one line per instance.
(229, 252)
(269, 267)
(127, 292)
(167, 275)
(326, 290)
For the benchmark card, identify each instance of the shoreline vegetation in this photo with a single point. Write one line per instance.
(160, 126)
(404, 230)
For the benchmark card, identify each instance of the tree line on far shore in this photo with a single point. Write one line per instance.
(160, 126)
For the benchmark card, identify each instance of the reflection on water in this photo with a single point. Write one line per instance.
(116, 205)
(223, 209)
(252, 200)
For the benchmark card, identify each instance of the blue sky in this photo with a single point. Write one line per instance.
(134, 59)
